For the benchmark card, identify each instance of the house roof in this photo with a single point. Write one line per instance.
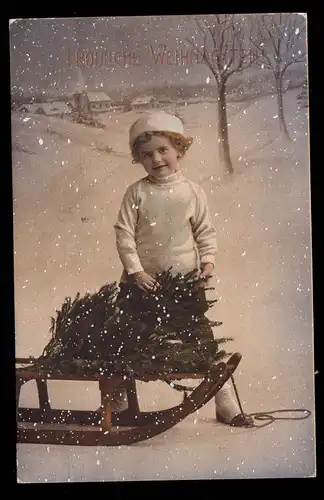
(98, 96)
(143, 100)
(31, 108)
(49, 108)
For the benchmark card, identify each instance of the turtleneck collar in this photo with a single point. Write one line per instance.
(170, 179)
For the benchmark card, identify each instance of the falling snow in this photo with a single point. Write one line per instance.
(65, 198)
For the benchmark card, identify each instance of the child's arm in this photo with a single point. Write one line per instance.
(204, 232)
(125, 228)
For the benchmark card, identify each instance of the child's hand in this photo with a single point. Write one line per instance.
(144, 281)
(206, 271)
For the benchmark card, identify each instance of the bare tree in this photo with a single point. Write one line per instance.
(278, 45)
(225, 50)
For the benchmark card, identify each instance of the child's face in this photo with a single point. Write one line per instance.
(159, 157)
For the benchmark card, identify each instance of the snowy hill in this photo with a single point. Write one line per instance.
(67, 192)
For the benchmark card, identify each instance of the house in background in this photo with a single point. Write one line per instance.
(89, 103)
(145, 102)
(46, 108)
(99, 102)
(31, 108)
(119, 106)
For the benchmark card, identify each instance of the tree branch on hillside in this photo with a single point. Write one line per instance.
(278, 45)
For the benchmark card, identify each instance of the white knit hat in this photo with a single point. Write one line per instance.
(156, 121)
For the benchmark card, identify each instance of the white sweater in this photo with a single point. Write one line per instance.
(163, 224)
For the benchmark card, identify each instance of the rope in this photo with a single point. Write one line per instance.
(178, 387)
(261, 416)
(268, 416)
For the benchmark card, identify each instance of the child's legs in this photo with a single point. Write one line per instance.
(119, 399)
(128, 298)
(198, 329)
(226, 404)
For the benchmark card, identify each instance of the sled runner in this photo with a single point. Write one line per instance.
(46, 425)
(115, 339)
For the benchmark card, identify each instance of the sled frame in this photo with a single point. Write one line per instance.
(46, 425)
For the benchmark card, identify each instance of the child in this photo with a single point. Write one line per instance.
(164, 224)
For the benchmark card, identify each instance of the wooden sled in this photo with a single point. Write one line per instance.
(46, 425)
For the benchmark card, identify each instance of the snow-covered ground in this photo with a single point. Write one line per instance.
(67, 192)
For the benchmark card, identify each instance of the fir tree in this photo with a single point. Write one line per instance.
(96, 332)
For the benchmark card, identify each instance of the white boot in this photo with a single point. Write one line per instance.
(228, 410)
(227, 407)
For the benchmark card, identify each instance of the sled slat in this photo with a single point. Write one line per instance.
(29, 375)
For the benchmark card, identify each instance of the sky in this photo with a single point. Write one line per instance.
(49, 54)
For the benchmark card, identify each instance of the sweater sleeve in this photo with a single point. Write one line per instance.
(125, 227)
(203, 230)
